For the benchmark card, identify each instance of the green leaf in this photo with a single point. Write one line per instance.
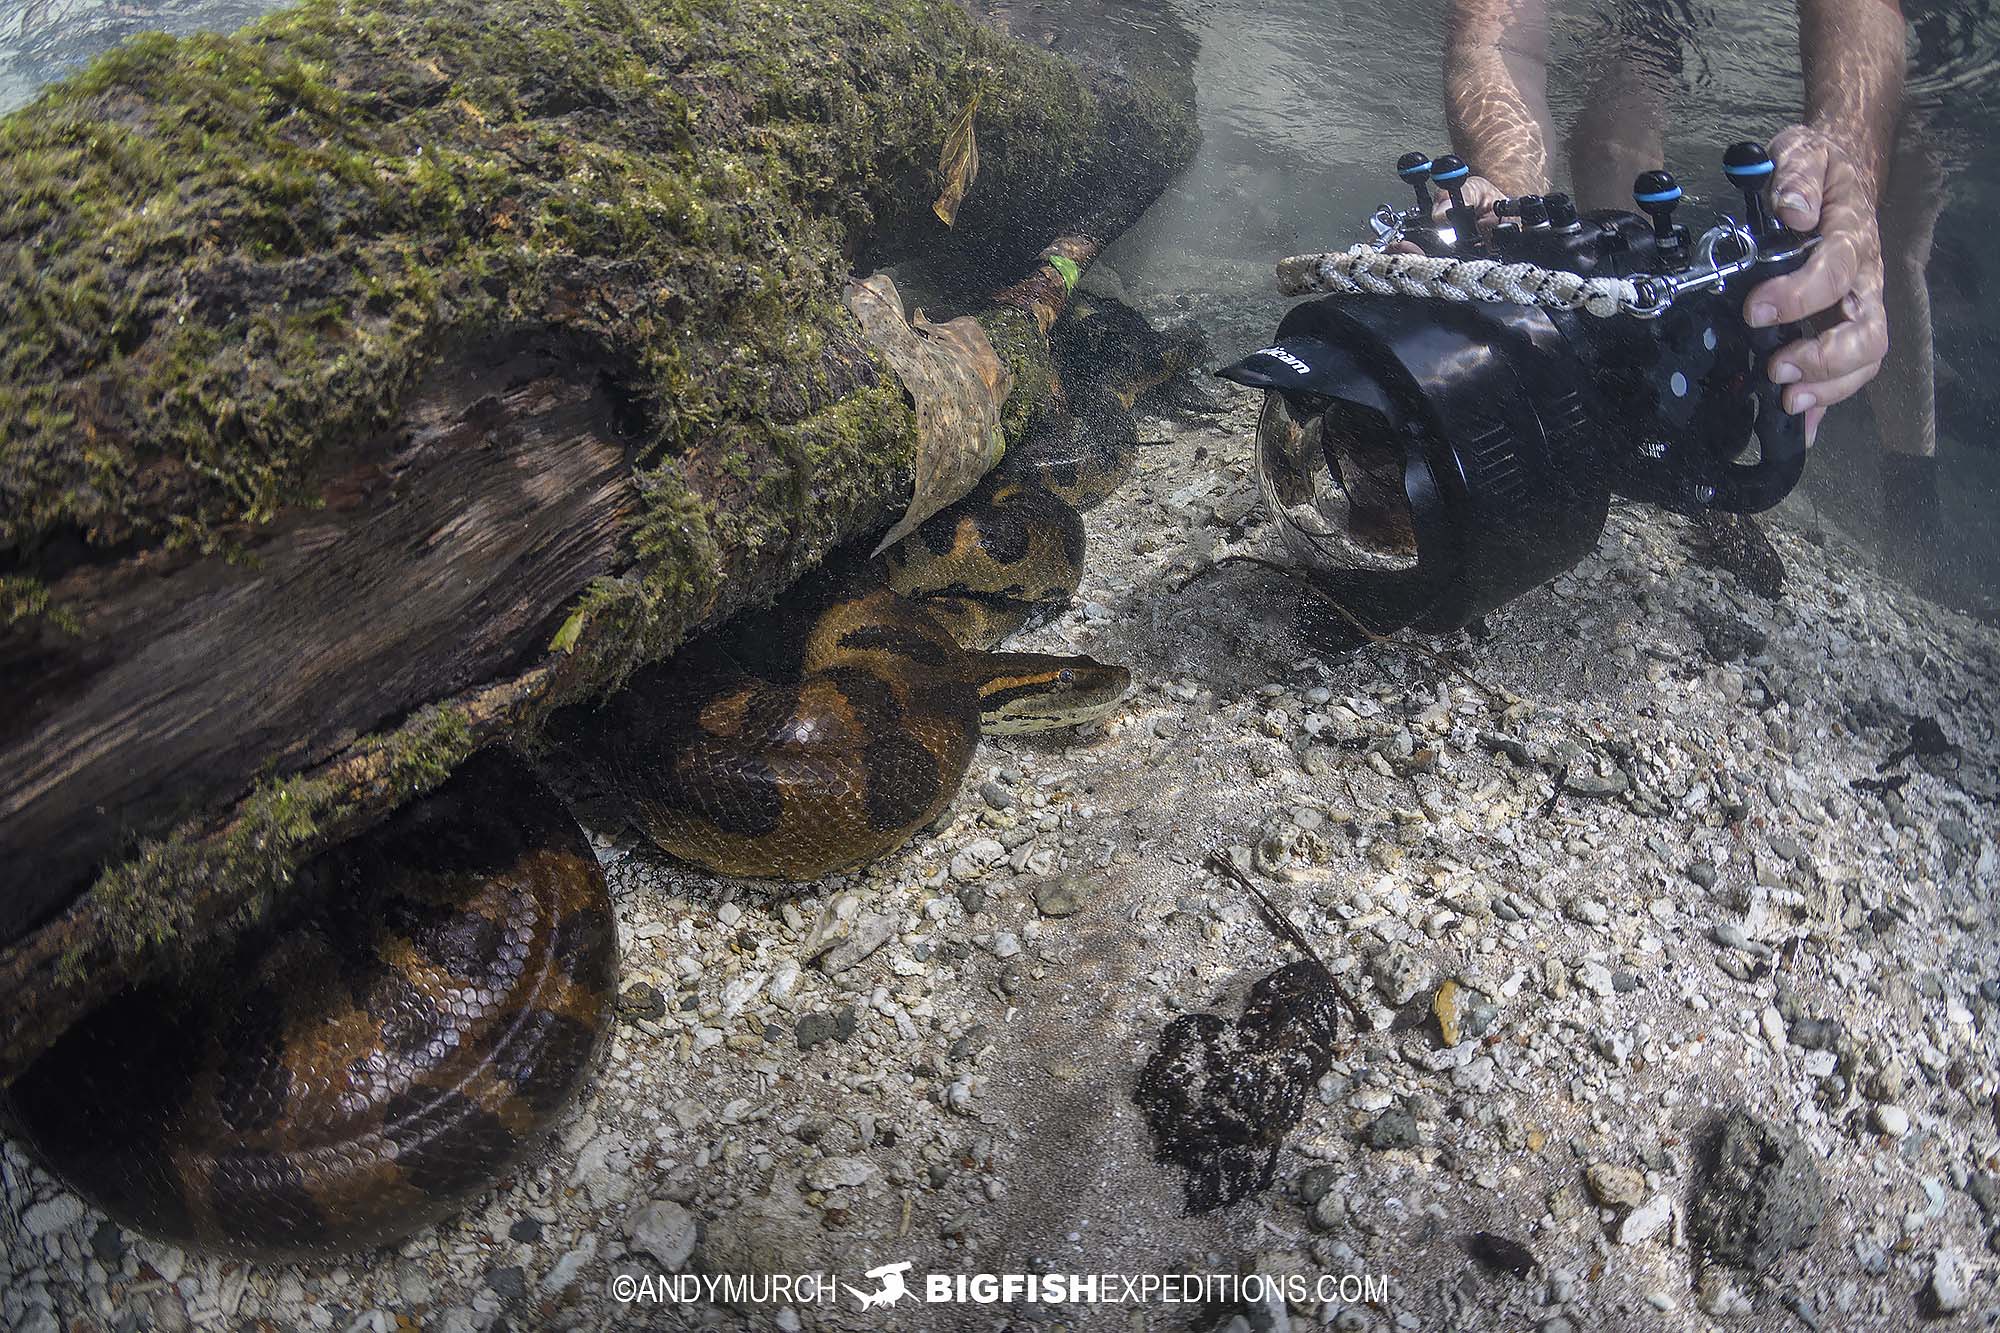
(566, 637)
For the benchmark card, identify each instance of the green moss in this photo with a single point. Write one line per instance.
(177, 353)
(24, 599)
(1025, 352)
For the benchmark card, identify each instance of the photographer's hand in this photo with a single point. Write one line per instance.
(1816, 184)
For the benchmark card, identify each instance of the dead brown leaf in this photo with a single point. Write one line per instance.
(957, 382)
(958, 163)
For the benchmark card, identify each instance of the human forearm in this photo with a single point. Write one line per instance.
(1852, 54)
(1496, 91)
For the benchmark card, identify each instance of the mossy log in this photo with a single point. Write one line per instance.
(386, 374)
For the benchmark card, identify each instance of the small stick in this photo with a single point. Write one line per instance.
(1220, 862)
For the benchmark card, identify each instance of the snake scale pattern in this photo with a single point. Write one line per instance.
(355, 1072)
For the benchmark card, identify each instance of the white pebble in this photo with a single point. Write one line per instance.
(1646, 1221)
(1892, 1120)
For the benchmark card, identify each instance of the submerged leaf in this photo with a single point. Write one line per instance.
(566, 637)
(957, 382)
(958, 163)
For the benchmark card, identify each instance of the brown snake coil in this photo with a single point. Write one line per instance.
(366, 1068)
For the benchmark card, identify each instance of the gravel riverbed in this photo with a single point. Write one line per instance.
(1613, 885)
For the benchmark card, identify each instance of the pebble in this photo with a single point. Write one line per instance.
(1064, 896)
(666, 1231)
(1400, 974)
(1646, 1221)
(1615, 1186)
(1589, 911)
(1394, 1128)
(566, 1269)
(976, 858)
(58, 1213)
(1892, 1120)
(834, 1173)
(507, 1283)
(824, 1025)
(1950, 1288)
(869, 932)
(642, 999)
(1595, 978)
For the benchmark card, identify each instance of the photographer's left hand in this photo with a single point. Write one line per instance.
(1817, 184)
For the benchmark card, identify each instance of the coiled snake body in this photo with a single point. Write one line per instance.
(342, 1081)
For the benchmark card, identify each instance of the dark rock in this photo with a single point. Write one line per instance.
(1394, 1128)
(1725, 638)
(1316, 1182)
(826, 1025)
(1513, 748)
(1221, 1096)
(507, 1283)
(1498, 1252)
(1702, 873)
(642, 1000)
(1985, 1191)
(1761, 1197)
(108, 1244)
(1735, 544)
(1589, 784)
(972, 897)
(1817, 1034)
(526, 1230)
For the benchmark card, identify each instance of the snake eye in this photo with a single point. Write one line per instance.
(1065, 676)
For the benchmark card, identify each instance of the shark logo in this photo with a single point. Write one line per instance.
(893, 1288)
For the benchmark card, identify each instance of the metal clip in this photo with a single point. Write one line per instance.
(1388, 225)
(1658, 291)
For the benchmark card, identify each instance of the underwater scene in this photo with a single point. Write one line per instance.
(999, 665)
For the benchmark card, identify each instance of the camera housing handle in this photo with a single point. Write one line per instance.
(1749, 488)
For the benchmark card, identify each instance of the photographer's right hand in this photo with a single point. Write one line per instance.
(1479, 193)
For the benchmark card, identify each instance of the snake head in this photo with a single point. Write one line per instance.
(1023, 692)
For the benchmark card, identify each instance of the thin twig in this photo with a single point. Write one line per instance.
(1219, 861)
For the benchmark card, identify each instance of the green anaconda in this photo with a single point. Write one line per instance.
(347, 1076)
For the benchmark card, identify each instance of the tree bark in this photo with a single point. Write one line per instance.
(392, 372)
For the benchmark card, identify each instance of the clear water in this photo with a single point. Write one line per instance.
(1304, 104)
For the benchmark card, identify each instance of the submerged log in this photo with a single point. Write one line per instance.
(387, 374)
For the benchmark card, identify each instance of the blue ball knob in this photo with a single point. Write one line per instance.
(1657, 195)
(1749, 169)
(1415, 169)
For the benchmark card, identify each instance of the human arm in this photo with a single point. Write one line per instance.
(1496, 77)
(1829, 174)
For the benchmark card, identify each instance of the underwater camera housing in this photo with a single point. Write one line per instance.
(1428, 459)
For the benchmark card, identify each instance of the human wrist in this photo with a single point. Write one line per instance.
(1858, 143)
